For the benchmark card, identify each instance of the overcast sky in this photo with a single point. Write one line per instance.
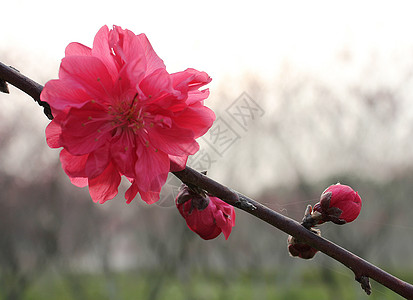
(223, 38)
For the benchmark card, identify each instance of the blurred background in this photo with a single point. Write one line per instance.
(307, 94)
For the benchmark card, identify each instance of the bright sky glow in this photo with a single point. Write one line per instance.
(220, 37)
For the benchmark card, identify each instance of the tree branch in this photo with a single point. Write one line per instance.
(30, 87)
(362, 269)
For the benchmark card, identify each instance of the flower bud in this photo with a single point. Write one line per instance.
(338, 203)
(205, 215)
(299, 249)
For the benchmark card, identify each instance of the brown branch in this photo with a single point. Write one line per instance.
(362, 269)
(30, 87)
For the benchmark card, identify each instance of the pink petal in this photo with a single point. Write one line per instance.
(153, 61)
(53, 132)
(77, 49)
(189, 80)
(86, 129)
(97, 162)
(196, 117)
(127, 47)
(222, 223)
(79, 181)
(130, 76)
(90, 73)
(105, 186)
(63, 93)
(149, 197)
(178, 163)
(224, 216)
(203, 223)
(74, 166)
(151, 169)
(102, 50)
(197, 96)
(131, 192)
(175, 141)
(123, 152)
(156, 84)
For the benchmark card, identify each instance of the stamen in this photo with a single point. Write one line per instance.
(104, 88)
(133, 100)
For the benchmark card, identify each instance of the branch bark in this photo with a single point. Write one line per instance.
(25, 84)
(362, 269)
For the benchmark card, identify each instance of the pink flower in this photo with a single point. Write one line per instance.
(205, 215)
(339, 203)
(117, 111)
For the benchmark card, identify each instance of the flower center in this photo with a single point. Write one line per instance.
(128, 116)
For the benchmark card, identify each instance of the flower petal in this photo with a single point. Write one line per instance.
(77, 49)
(53, 132)
(175, 141)
(86, 129)
(153, 62)
(152, 168)
(90, 73)
(102, 50)
(156, 84)
(61, 94)
(196, 117)
(131, 192)
(105, 186)
(189, 80)
(224, 216)
(79, 181)
(123, 152)
(177, 163)
(149, 197)
(73, 165)
(197, 96)
(97, 162)
(129, 77)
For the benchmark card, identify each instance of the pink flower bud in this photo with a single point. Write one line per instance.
(338, 203)
(205, 215)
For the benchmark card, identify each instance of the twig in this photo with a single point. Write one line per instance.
(30, 87)
(362, 269)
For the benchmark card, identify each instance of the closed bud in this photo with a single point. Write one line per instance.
(296, 248)
(205, 215)
(339, 204)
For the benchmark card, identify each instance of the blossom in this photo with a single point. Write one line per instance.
(338, 203)
(118, 112)
(205, 215)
